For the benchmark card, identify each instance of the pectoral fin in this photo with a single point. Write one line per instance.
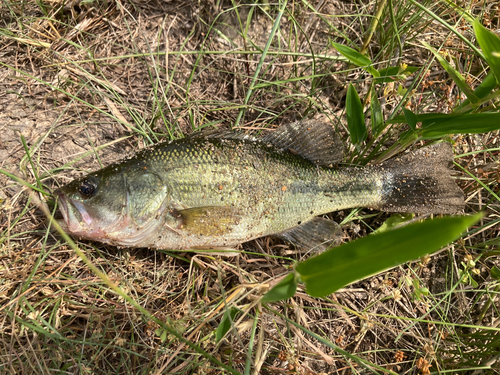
(317, 234)
(208, 221)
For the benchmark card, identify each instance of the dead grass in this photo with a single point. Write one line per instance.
(87, 82)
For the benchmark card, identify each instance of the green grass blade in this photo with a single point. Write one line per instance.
(22, 182)
(367, 256)
(377, 116)
(28, 154)
(454, 74)
(395, 73)
(439, 19)
(483, 90)
(261, 62)
(355, 117)
(371, 367)
(490, 44)
(356, 58)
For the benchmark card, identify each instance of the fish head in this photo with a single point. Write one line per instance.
(94, 206)
(121, 204)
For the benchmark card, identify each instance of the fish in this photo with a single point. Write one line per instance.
(220, 189)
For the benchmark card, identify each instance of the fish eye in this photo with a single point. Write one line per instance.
(87, 188)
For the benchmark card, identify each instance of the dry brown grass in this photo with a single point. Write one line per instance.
(87, 82)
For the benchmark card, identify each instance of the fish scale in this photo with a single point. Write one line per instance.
(222, 189)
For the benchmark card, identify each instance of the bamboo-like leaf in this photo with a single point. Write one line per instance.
(377, 116)
(356, 260)
(436, 125)
(411, 118)
(355, 117)
(454, 74)
(439, 126)
(356, 58)
(490, 44)
(284, 289)
(483, 89)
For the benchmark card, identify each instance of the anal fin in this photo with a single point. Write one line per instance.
(317, 234)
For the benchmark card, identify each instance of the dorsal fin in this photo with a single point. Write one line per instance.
(312, 139)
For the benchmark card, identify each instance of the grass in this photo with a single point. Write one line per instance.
(85, 84)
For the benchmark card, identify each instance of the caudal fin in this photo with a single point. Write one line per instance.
(420, 182)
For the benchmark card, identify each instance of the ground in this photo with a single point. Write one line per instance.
(85, 83)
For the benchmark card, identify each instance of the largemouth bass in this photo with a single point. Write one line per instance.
(222, 189)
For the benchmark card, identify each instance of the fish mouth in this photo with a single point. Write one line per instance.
(121, 232)
(76, 220)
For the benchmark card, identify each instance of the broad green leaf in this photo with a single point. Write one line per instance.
(356, 58)
(284, 289)
(436, 125)
(495, 273)
(411, 118)
(335, 268)
(355, 117)
(490, 44)
(225, 324)
(377, 116)
(394, 73)
(424, 117)
(460, 124)
(454, 74)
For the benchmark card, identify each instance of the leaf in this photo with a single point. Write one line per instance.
(284, 289)
(377, 116)
(438, 126)
(335, 268)
(356, 58)
(495, 273)
(355, 117)
(411, 118)
(160, 332)
(490, 44)
(394, 73)
(454, 74)
(226, 323)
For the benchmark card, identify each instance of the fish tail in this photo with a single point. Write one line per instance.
(420, 182)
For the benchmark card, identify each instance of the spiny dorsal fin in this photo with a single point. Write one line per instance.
(312, 139)
(316, 235)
